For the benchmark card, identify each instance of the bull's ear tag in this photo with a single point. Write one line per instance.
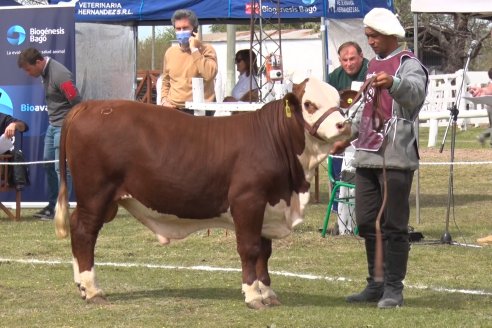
(288, 112)
(349, 101)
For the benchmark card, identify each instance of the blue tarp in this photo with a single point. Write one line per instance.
(215, 11)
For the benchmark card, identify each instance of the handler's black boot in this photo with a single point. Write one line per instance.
(395, 270)
(374, 290)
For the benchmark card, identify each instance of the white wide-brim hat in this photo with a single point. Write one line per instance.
(384, 21)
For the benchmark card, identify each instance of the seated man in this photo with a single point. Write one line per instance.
(353, 68)
(8, 125)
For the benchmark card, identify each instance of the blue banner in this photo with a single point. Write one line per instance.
(5, 3)
(50, 29)
(217, 10)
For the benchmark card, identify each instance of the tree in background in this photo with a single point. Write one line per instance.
(448, 36)
(161, 43)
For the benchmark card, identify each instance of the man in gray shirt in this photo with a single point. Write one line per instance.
(61, 95)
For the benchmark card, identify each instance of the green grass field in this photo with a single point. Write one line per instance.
(149, 285)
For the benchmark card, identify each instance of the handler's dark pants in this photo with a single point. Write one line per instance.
(369, 197)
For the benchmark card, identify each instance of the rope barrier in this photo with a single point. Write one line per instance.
(28, 163)
(334, 156)
(439, 163)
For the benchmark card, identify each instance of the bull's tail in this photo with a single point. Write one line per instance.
(62, 225)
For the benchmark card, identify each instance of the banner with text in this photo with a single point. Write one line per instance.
(214, 10)
(50, 29)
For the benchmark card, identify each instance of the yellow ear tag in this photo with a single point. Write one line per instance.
(288, 112)
(349, 101)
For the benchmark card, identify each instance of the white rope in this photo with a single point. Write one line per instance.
(334, 156)
(306, 276)
(439, 163)
(28, 163)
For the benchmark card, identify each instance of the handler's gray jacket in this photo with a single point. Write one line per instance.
(57, 100)
(408, 92)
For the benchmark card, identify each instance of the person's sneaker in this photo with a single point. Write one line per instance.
(45, 214)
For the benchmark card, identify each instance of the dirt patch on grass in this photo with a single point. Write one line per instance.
(475, 155)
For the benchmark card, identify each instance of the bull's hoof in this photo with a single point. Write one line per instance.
(272, 301)
(98, 300)
(256, 305)
(81, 291)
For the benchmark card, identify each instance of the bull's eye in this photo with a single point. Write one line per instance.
(310, 107)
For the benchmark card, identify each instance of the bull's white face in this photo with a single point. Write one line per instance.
(318, 98)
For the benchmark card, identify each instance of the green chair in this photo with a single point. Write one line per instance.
(336, 184)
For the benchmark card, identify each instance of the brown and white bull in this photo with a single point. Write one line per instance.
(178, 174)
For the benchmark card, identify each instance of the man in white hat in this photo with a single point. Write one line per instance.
(386, 155)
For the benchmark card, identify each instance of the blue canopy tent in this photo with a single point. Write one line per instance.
(7, 3)
(109, 14)
(220, 11)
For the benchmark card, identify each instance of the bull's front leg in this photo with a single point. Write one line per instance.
(248, 250)
(268, 295)
(83, 244)
(248, 220)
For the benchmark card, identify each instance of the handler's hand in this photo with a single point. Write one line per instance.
(383, 80)
(339, 146)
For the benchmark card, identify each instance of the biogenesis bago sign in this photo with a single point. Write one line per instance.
(50, 29)
(337, 9)
(206, 10)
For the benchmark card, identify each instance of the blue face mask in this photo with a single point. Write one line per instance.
(183, 37)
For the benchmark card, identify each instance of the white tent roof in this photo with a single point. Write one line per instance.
(479, 7)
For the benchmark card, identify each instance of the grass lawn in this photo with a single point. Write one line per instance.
(196, 282)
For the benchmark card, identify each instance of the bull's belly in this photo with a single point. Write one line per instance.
(279, 220)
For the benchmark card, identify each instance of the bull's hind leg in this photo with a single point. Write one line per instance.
(268, 295)
(84, 228)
